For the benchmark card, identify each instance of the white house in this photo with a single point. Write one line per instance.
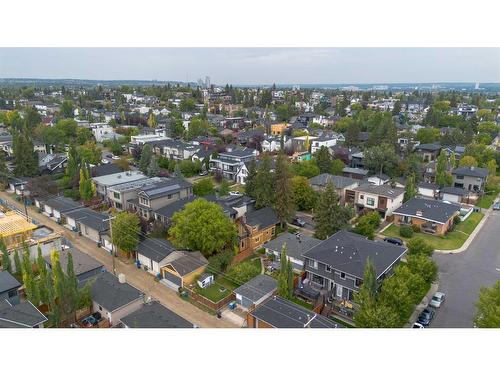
(316, 144)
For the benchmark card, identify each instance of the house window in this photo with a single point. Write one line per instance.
(242, 244)
(328, 269)
(12, 293)
(257, 239)
(116, 195)
(317, 280)
(358, 282)
(370, 201)
(342, 275)
(313, 264)
(460, 177)
(361, 196)
(100, 307)
(169, 196)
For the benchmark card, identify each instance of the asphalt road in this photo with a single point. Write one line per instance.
(461, 275)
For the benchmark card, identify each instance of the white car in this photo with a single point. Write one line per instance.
(114, 157)
(437, 299)
(235, 193)
(417, 325)
(105, 161)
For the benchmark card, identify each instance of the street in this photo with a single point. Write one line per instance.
(462, 274)
(135, 277)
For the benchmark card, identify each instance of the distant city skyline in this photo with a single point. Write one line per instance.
(255, 66)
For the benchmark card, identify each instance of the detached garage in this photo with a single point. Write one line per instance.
(254, 292)
(152, 254)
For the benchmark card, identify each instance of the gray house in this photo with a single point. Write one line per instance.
(340, 183)
(9, 288)
(470, 178)
(119, 195)
(91, 224)
(22, 315)
(296, 246)
(255, 291)
(338, 263)
(154, 315)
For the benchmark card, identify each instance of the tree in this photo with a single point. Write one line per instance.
(25, 159)
(285, 289)
(491, 166)
(352, 134)
(71, 284)
(3, 171)
(28, 277)
(224, 188)
(367, 224)
(306, 168)
(177, 128)
(250, 183)
(330, 216)
(43, 277)
(6, 266)
(203, 226)
(152, 123)
(264, 183)
(427, 135)
(126, 230)
(323, 160)
(87, 187)
(422, 265)
(410, 188)
(283, 198)
(90, 152)
(381, 158)
(146, 155)
(203, 187)
(304, 197)
(17, 264)
(488, 307)
(443, 177)
(67, 110)
(337, 167)
(153, 168)
(397, 108)
(197, 126)
(467, 161)
(417, 246)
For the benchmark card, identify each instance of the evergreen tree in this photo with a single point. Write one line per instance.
(59, 283)
(330, 216)
(324, 160)
(17, 264)
(146, 155)
(25, 159)
(153, 168)
(6, 266)
(71, 285)
(44, 275)
(283, 199)
(410, 188)
(28, 278)
(87, 187)
(250, 186)
(264, 183)
(443, 177)
(4, 172)
(284, 276)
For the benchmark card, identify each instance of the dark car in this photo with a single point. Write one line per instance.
(91, 320)
(394, 241)
(426, 316)
(298, 222)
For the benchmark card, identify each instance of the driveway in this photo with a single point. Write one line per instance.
(461, 275)
(137, 278)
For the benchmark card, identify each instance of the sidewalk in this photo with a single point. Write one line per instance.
(135, 277)
(422, 305)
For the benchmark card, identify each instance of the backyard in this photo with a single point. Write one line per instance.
(450, 241)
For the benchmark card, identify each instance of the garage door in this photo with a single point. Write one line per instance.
(174, 281)
(450, 198)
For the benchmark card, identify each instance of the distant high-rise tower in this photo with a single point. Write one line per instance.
(207, 82)
(476, 87)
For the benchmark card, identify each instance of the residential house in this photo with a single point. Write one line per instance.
(182, 268)
(114, 298)
(21, 315)
(378, 179)
(427, 190)
(229, 163)
(296, 246)
(103, 183)
(454, 195)
(271, 144)
(104, 170)
(85, 267)
(152, 254)
(472, 179)
(88, 223)
(431, 216)
(9, 288)
(323, 141)
(357, 173)
(154, 315)
(358, 160)
(338, 263)
(278, 128)
(255, 291)
(56, 207)
(119, 195)
(277, 312)
(428, 151)
(340, 183)
(53, 163)
(161, 194)
(383, 199)
(254, 229)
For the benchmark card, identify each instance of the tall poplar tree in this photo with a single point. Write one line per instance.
(283, 199)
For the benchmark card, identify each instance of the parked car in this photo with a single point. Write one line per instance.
(417, 325)
(235, 193)
(426, 316)
(298, 222)
(105, 161)
(91, 320)
(394, 241)
(114, 157)
(437, 299)
(496, 206)
(109, 155)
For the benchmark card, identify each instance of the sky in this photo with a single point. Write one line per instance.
(256, 65)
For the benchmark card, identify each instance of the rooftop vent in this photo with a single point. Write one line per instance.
(419, 213)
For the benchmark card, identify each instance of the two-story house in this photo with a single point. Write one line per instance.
(381, 198)
(428, 151)
(158, 195)
(103, 183)
(119, 195)
(338, 263)
(472, 179)
(323, 141)
(340, 183)
(229, 163)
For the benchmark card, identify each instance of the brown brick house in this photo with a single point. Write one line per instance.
(255, 229)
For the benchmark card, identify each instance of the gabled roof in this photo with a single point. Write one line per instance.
(339, 182)
(22, 315)
(82, 262)
(281, 313)
(383, 190)
(348, 252)
(104, 170)
(359, 171)
(108, 292)
(264, 217)
(471, 171)
(188, 261)
(154, 315)
(8, 282)
(295, 246)
(428, 147)
(155, 249)
(62, 204)
(257, 288)
(90, 218)
(164, 188)
(428, 209)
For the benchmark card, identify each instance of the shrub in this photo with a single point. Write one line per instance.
(243, 272)
(406, 232)
(415, 228)
(456, 220)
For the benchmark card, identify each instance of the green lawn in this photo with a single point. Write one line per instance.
(302, 303)
(487, 200)
(213, 292)
(450, 241)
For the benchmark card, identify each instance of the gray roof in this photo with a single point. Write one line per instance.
(428, 209)
(108, 292)
(165, 187)
(454, 191)
(8, 282)
(383, 190)
(294, 247)
(82, 262)
(258, 287)
(188, 261)
(281, 313)
(471, 171)
(169, 210)
(360, 171)
(154, 315)
(428, 147)
(90, 218)
(133, 185)
(155, 249)
(62, 204)
(104, 170)
(348, 252)
(22, 315)
(264, 217)
(119, 178)
(340, 182)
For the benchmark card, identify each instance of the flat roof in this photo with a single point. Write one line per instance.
(119, 178)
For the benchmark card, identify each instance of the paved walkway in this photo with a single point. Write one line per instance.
(137, 278)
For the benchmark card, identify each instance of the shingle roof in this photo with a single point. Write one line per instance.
(169, 210)
(155, 249)
(8, 282)
(165, 187)
(90, 218)
(360, 171)
(22, 315)
(62, 204)
(105, 169)
(432, 210)
(340, 182)
(154, 315)
(454, 190)
(82, 262)
(188, 261)
(428, 147)
(257, 287)
(383, 190)
(281, 313)
(108, 292)
(348, 252)
(294, 248)
(264, 217)
(471, 171)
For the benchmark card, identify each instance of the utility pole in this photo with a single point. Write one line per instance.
(113, 252)
(24, 202)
